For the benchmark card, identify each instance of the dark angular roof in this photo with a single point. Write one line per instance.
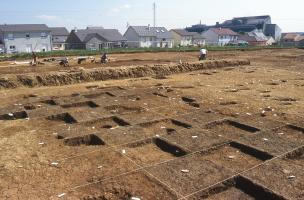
(59, 39)
(60, 31)
(254, 17)
(158, 32)
(111, 35)
(24, 27)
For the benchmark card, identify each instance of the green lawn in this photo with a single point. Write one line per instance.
(130, 50)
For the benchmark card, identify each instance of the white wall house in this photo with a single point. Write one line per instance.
(59, 37)
(220, 36)
(146, 37)
(95, 38)
(26, 38)
(184, 38)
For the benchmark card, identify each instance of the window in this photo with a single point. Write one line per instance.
(10, 36)
(27, 36)
(12, 47)
(43, 35)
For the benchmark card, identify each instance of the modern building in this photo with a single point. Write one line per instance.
(220, 36)
(274, 31)
(182, 37)
(146, 37)
(59, 37)
(95, 39)
(247, 24)
(18, 38)
(244, 25)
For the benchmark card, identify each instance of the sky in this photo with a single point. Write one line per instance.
(169, 13)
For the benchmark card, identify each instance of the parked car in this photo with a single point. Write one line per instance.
(1, 50)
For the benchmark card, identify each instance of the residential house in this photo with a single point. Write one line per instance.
(220, 36)
(95, 39)
(25, 38)
(183, 37)
(59, 37)
(292, 39)
(300, 41)
(198, 39)
(146, 37)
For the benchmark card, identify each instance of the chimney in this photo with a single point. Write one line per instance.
(149, 27)
(75, 29)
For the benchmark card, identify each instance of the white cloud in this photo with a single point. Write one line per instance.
(47, 17)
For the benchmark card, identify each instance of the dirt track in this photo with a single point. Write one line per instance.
(226, 133)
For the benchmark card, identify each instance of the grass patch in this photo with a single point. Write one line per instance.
(22, 56)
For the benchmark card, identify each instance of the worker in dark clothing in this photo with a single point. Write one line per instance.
(64, 62)
(104, 58)
(34, 59)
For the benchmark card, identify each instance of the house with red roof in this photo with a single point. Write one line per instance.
(220, 36)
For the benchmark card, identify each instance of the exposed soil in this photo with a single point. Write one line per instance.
(155, 132)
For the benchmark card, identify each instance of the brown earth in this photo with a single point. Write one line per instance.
(223, 133)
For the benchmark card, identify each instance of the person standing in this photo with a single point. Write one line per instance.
(203, 54)
(34, 59)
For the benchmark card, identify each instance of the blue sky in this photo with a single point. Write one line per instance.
(170, 13)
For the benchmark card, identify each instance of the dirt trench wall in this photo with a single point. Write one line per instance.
(102, 74)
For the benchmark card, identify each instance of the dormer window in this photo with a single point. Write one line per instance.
(27, 36)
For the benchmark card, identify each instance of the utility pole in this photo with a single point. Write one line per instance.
(154, 14)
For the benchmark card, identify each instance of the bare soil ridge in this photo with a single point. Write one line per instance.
(80, 76)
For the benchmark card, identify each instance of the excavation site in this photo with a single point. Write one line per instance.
(154, 126)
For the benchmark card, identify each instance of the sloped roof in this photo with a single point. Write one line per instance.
(24, 27)
(291, 36)
(299, 38)
(197, 36)
(158, 32)
(60, 31)
(248, 38)
(183, 32)
(59, 39)
(259, 35)
(223, 31)
(111, 35)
